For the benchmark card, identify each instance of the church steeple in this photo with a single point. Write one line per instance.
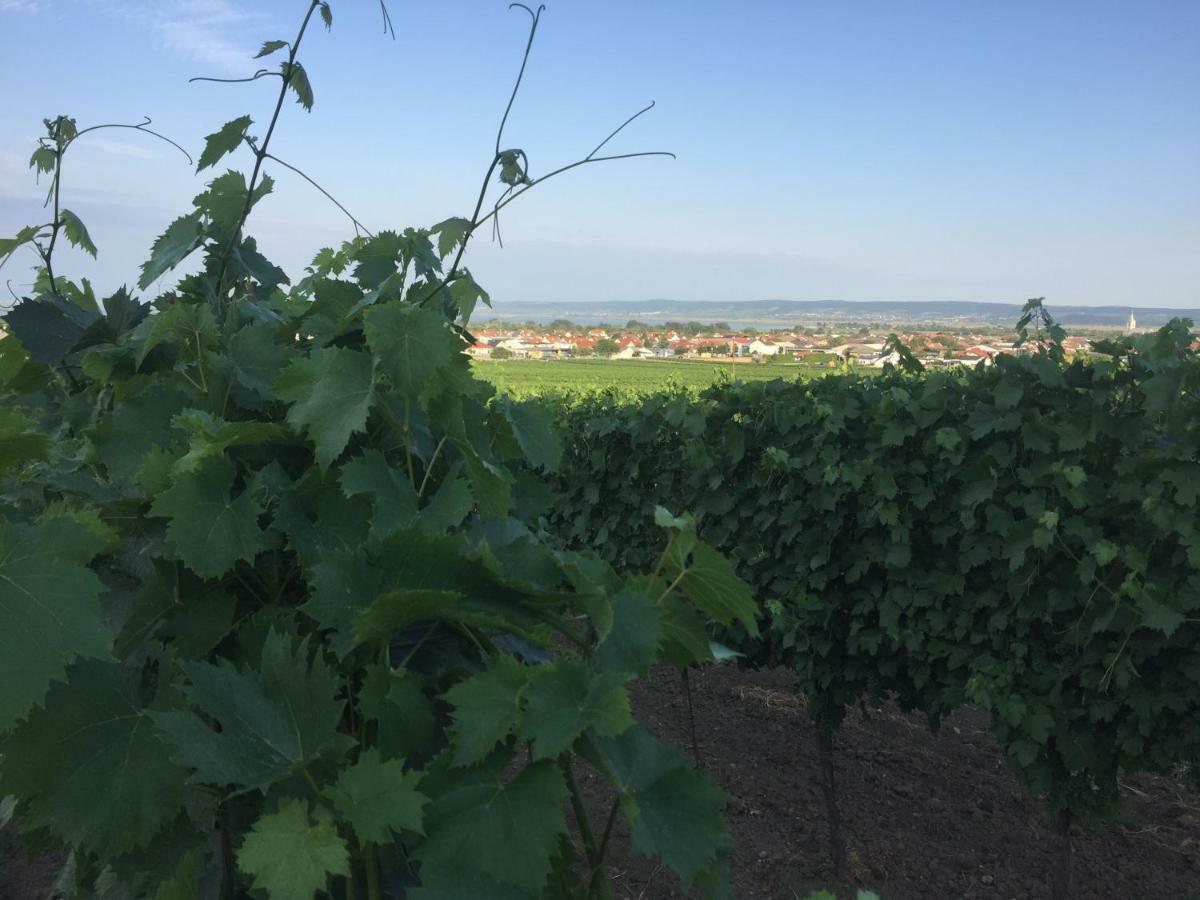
(1131, 325)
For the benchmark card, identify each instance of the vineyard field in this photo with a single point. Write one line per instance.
(527, 377)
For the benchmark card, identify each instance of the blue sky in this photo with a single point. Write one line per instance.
(853, 150)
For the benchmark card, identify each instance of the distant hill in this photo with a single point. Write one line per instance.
(783, 312)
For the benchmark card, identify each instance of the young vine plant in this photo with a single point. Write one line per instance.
(270, 622)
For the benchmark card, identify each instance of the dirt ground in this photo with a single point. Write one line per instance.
(926, 816)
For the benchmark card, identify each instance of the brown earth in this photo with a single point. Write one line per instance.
(925, 815)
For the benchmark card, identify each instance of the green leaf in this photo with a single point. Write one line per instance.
(273, 720)
(342, 584)
(379, 799)
(452, 503)
(394, 610)
(487, 708)
(49, 610)
(210, 437)
(413, 346)
(467, 293)
(533, 426)
(172, 247)
(192, 326)
(450, 232)
(330, 393)
(43, 160)
(378, 259)
(290, 855)
(76, 232)
(210, 528)
(507, 830)
(253, 263)
(8, 246)
(565, 699)
(674, 811)
(1160, 617)
(512, 168)
(297, 80)
(229, 136)
(49, 327)
(270, 47)
(257, 356)
(136, 426)
(21, 442)
(406, 725)
(224, 202)
(1104, 551)
(710, 582)
(390, 491)
(631, 644)
(91, 765)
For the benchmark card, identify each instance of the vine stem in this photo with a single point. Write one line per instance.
(261, 153)
(687, 690)
(1064, 875)
(56, 224)
(371, 864)
(837, 841)
(599, 882)
(429, 467)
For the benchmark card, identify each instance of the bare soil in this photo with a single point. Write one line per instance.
(925, 815)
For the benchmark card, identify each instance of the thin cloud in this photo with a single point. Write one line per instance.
(207, 32)
(22, 6)
(118, 148)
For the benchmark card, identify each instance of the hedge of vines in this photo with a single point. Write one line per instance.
(1024, 536)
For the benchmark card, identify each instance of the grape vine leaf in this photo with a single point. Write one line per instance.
(257, 357)
(228, 137)
(172, 247)
(95, 766)
(450, 233)
(76, 232)
(710, 582)
(49, 327)
(564, 699)
(467, 293)
(21, 441)
(298, 81)
(533, 426)
(8, 246)
(390, 491)
(392, 611)
(507, 830)
(50, 610)
(487, 708)
(379, 798)
(632, 642)
(342, 583)
(273, 719)
(674, 811)
(291, 856)
(211, 529)
(270, 47)
(414, 346)
(330, 393)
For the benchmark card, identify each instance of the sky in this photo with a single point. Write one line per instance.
(859, 150)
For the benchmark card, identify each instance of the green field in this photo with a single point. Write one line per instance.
(523, 377)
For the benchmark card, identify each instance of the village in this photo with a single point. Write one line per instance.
(831, 346)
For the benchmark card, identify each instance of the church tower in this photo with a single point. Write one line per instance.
(1131, 325)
